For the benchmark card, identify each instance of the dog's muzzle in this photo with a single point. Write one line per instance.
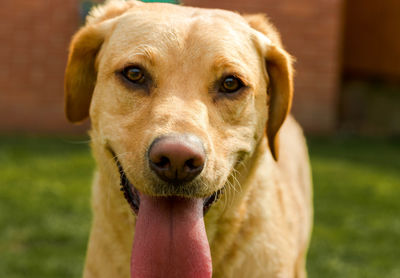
(131, 194)
(176, 160)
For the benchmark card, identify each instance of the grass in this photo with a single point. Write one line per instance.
(45, 214)
(357, 223)
(44, 206)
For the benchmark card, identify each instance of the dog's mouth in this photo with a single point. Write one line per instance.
(170, 238)
(132, 195)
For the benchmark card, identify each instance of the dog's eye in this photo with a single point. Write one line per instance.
(134, 74)
(231, 84)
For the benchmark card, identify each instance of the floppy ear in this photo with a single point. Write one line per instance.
(280, 90)
(280, 74)
(80, 74)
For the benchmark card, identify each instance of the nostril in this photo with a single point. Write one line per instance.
(190, 164)
(163, 162)
(194, 164)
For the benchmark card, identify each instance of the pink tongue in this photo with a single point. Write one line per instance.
(170, 239)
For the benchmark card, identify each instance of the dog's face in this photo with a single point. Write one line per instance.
(201, 81)
(182, 88)
(180, 97)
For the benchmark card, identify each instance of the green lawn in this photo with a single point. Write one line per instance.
(44, 206)
(357, 208)
(45, 216)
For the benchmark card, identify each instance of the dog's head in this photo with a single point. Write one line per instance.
(157, 77)
(181, 96)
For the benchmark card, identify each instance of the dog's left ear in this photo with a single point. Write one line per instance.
(280, 74)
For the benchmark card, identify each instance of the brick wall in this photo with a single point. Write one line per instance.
(311, 31)
(34, 37)
(370, 98)
(372, 39)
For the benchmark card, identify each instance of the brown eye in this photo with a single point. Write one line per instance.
(231, 84)
(134, 74)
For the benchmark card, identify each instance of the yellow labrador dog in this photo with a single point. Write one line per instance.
(201, 172)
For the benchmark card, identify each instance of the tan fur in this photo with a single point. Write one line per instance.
(261, 226)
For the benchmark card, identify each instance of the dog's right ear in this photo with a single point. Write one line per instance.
(81, 72)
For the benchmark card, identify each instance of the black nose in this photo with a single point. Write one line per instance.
(177, 158)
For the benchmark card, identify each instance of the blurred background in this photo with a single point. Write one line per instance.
(347, 98)
(347, 69)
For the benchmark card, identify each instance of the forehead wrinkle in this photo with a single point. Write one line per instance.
(207, 35)
(227, 64)
(134, 29)
(143, 53)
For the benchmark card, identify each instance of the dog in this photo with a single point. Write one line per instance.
(201, 169)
